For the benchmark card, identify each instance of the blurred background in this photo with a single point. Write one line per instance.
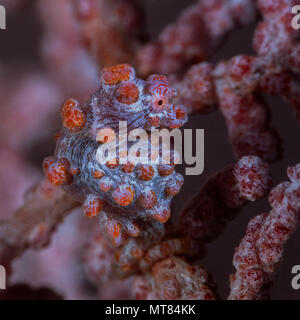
(31, 92)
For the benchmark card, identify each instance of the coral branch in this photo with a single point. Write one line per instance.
(261, 249)
(135, 249)
(206, 214)
(235, 86)
(174, 279)
(196, 33)
(244, 110)
(32, 225)
(110, 29)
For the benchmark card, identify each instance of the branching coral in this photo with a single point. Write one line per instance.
(32, 225)
(205, 215)
(174, 279)
(196, 33)
(135, 246)
(101, 21)
(260, 250)
(236, 85)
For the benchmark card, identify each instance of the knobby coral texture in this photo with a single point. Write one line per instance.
(99, 67)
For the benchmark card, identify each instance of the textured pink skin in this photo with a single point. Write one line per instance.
(128, 258)
(274, 71)
(261, 249)
(205, 215)
(198, 30)
(234, 86)
(174, 279)
(238, 83)
(276, 43)
(140, 255)
(197, 89)
(98, 259)
(110, 30)
(246, 117)
(253, 177)
(167, 248)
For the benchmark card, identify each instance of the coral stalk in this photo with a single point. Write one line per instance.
(32, 225)
(260, 251)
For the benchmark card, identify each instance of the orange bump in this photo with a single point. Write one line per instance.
(133, 229)
(126, 267)
(128, 167)
(75, 171)
(47, 163)
(180, 112)
(148, 199)
(57, 136)
(113, 164)
(72, 115)
(163, 215)
(92, 206)
(137, 253)
(127, 93)
(123, 195)
(98, 174)
(145, 172)
(180, 116)
(105, 184)
(116, 74)
(114, 229)
(154, 121)
(58, 173)
(158, 77)
(165, 169)
(173, 188)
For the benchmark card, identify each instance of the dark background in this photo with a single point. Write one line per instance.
(19, 47)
